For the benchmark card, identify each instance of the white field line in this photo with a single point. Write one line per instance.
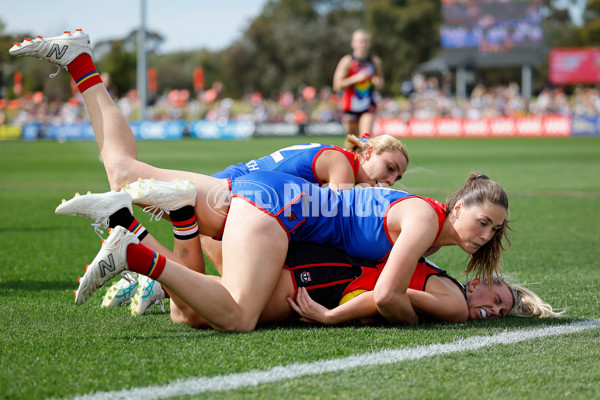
(194, 386)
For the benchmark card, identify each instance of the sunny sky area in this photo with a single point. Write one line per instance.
(185, 24)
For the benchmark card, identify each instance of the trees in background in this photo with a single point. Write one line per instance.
(291, 44)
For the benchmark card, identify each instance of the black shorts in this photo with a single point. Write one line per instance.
(323, 270)
(353, 116)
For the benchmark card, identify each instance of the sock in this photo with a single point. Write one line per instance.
(84, 72)
(145, 261)
(185, 225)
(124, 218)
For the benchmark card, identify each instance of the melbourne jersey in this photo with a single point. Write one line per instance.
(298, 160)
(358, 98)
(351, 220)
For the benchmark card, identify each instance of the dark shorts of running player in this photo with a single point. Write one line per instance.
(351, 116)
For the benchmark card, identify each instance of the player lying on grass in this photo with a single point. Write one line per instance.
(324, 285)
(369, 223)
(370, 161)
(259, 253)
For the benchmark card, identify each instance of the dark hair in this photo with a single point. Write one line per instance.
(478, 190)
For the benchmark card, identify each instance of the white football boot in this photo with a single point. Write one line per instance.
(110, 262)
(97, 207)
(149, 293)
(121, 292)
(60, 50)
(162, 197)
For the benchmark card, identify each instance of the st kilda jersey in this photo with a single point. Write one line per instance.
(328, 273)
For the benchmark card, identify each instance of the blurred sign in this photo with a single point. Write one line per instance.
(448, 127)
(572, 66)
(491, 33)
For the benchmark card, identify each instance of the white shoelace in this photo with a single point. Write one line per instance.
(97, 228)
(155, 212)
(129, 276)
(52, 76)
(161, 304)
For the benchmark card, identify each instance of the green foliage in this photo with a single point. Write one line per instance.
(294, 43)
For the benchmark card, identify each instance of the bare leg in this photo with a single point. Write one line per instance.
(253, 257)
(214, 251)
(276, 309)
(365, 123)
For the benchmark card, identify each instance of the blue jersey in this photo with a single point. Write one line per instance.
(351, 220)
(298, 160)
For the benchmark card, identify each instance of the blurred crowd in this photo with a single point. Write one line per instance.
(424, 100)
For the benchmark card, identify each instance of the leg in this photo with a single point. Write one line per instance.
(253, 257)
(276, 309)
(214, 251)
(365, 123)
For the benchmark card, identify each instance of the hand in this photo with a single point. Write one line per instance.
(309, 310)
(362, 76)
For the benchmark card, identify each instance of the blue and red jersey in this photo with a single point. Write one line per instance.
(298, 160)
(351, 220)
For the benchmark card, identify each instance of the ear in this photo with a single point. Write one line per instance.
(457, 208)
(473, 283)
(368, 153)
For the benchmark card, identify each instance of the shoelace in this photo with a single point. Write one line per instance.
(52, 76)
(161, 304)
(97, 228)
(154, 212)
(129, 276)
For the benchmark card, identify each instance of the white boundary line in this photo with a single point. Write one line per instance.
(252, 378)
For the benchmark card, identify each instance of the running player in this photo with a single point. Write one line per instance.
(358, 75)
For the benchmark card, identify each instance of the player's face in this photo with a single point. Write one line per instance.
(361, 42)
(485, 303)
(385, 168)
(476, 225)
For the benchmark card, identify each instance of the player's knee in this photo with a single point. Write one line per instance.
(118, 171)
(239, 323)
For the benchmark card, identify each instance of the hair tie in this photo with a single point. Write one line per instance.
(364, 138)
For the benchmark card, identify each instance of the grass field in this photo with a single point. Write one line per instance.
(49, 348)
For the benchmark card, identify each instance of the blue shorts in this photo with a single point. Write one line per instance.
(280, 195)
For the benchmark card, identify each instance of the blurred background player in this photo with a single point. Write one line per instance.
(358, 75)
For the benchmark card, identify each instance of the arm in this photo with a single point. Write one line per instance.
(378, 80)
(360, 307)
(340, 80)
(417, 223)
(442, 300)
(333, 167)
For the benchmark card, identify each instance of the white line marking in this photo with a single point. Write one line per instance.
(252, 378)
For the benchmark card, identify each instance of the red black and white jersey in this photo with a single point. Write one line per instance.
(328, 273)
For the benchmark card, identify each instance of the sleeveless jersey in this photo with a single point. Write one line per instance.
(358, 98)
(328, 273)
(298, 160)
(351, 220)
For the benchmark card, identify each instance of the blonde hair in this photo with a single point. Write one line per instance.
(380, 144)
(478, 190)
(526, 303)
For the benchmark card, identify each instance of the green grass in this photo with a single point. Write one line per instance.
(51, 348)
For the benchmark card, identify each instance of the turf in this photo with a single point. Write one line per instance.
(49, 348)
